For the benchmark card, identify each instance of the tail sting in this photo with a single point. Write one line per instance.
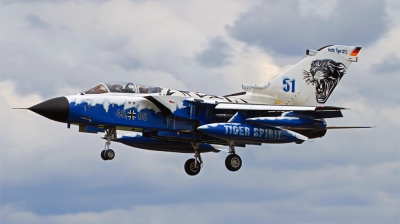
(311, 81)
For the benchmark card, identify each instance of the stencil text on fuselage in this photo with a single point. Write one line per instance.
(255, 132)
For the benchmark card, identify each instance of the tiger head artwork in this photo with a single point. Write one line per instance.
(324, 75)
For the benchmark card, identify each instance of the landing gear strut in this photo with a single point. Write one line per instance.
(193, 166)
(233, 162)
(107, 153)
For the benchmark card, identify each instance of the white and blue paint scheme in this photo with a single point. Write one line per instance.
(289, 109)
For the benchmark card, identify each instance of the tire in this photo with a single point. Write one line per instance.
(233, 162)
(190, 167)
(110, 154)
(103, 155)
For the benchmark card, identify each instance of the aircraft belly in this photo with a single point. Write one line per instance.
(138, 141)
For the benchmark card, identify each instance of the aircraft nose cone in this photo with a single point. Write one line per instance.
(56, 109)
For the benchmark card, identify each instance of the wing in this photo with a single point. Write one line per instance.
(179, 106)
(318, 112)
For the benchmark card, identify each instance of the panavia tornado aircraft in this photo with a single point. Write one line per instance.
(289, 109)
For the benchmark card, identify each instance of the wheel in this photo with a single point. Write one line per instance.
(190, 167)
(233, 162)
(110, 154)
(103, 155)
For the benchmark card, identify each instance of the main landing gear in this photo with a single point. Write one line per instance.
(107, 153)
(233, 162)
(193, 166)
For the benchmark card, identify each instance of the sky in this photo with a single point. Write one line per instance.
(52, 174)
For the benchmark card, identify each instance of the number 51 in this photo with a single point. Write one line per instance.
(289, 84)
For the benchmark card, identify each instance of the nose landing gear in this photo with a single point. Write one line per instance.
(193, 166)
(107, 153)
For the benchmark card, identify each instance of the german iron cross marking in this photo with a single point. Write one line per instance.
(131, 115)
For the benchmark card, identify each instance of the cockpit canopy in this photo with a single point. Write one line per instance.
(122, 87)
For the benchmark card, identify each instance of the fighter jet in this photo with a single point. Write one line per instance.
(288, 109)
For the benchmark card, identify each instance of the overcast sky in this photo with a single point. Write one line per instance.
(51, 174)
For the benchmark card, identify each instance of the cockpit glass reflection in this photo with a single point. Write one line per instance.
(148, 89)
(99, 89)
(122, 87)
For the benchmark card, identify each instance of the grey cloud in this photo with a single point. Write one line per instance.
(215, 55)
(390, 64)
(129, 63)
(278, 26)
(115, 50)
(10, 2)
(36, 22)
(343, 198)
(108, 43)
(366, 81)
(91, 59)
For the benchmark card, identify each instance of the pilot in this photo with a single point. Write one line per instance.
(129, 88)
(115, 88)
(143, 89)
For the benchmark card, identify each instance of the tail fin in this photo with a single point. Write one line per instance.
(312, 80)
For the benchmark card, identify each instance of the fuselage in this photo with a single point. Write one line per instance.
(162, 110)
(132, 106)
